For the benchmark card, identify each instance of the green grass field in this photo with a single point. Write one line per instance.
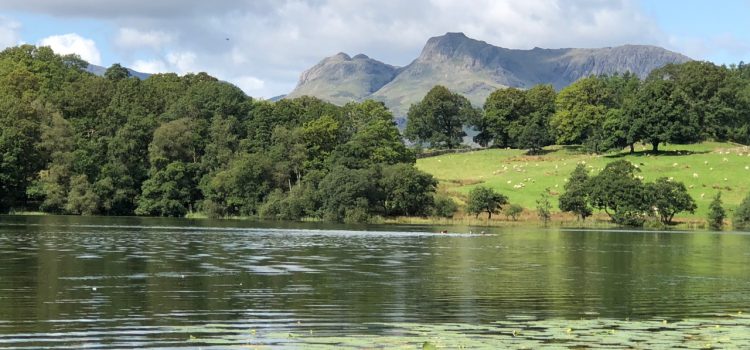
(704, 168)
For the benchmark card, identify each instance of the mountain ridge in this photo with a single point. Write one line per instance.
(470, 67)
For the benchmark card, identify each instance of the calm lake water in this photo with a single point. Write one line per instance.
(71, 282)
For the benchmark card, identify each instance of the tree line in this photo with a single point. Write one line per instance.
(75, 143)
(678, 103)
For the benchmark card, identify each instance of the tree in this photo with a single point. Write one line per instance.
(407, 190)
(741, 218)
(502, 108)
(439, 118)
(619, 193)
(174, 141)
(575, 198)
(444, 207)
(580, 111)
(168, 191)
(350, 195)
(544, 207)
(517, 118)
(669, 198)
(116, 72)
(716, 213)
(663, 113)
(513, 211)
(484, 199)
(534, 134)
(240, 188)
(81, 198)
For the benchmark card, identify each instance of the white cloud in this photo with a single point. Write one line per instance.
(150, 66)
(183, 62)
(131, 38)
(249, 84)
(9, 32)
(73, 43)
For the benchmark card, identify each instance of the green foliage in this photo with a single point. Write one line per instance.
(513, 211)
(116, 72)
(484, 199)
(517, 118)
(620, 194)
(350, 194)
(575, 198)
(240, 189)
(741, 218)
(544, 207)
(669, 198)
(439, 118)
(167, 192)
(716, 213)
(581, 109)
(81, 198)
(444, 207)
(407, 191)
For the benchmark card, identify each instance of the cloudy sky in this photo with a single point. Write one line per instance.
(263, 45)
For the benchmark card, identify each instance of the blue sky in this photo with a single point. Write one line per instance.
(263, 45)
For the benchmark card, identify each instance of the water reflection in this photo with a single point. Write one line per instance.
(134, 282)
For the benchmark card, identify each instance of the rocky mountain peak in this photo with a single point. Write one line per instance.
(451, 46)
(471, 67)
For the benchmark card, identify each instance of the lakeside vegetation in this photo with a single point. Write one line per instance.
(76, 143)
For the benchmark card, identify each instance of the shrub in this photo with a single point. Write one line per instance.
(716, 213)
(544, 207)
(444, 207)
(513, 211)
(741, 219)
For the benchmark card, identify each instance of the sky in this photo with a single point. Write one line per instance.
(262, 46)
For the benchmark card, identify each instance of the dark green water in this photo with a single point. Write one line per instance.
(71, 282)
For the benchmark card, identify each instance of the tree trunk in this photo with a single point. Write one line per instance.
(489, 217)
(655, 145)
(632, 148)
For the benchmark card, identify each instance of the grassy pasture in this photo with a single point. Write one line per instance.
(704, 168)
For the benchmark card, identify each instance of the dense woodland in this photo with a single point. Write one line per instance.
(75, 143)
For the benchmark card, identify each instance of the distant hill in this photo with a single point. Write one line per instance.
(99, 70)
(340, 78)
(471, 67)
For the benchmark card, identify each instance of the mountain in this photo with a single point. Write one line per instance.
(340, 78)
(471, 67)
(99, 70)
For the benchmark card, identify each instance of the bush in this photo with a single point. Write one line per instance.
(544, 207)
(444, 207)
(741, 219)
(716, 213)
(513, 211)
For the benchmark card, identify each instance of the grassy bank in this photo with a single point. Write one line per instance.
(705, 169)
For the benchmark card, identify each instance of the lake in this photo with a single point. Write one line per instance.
(75, 282)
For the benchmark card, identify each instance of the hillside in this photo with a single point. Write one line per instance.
(341, 79)
(471, 67)
(704, 168)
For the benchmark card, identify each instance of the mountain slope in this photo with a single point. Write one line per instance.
(340, 78)
(474, 68)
